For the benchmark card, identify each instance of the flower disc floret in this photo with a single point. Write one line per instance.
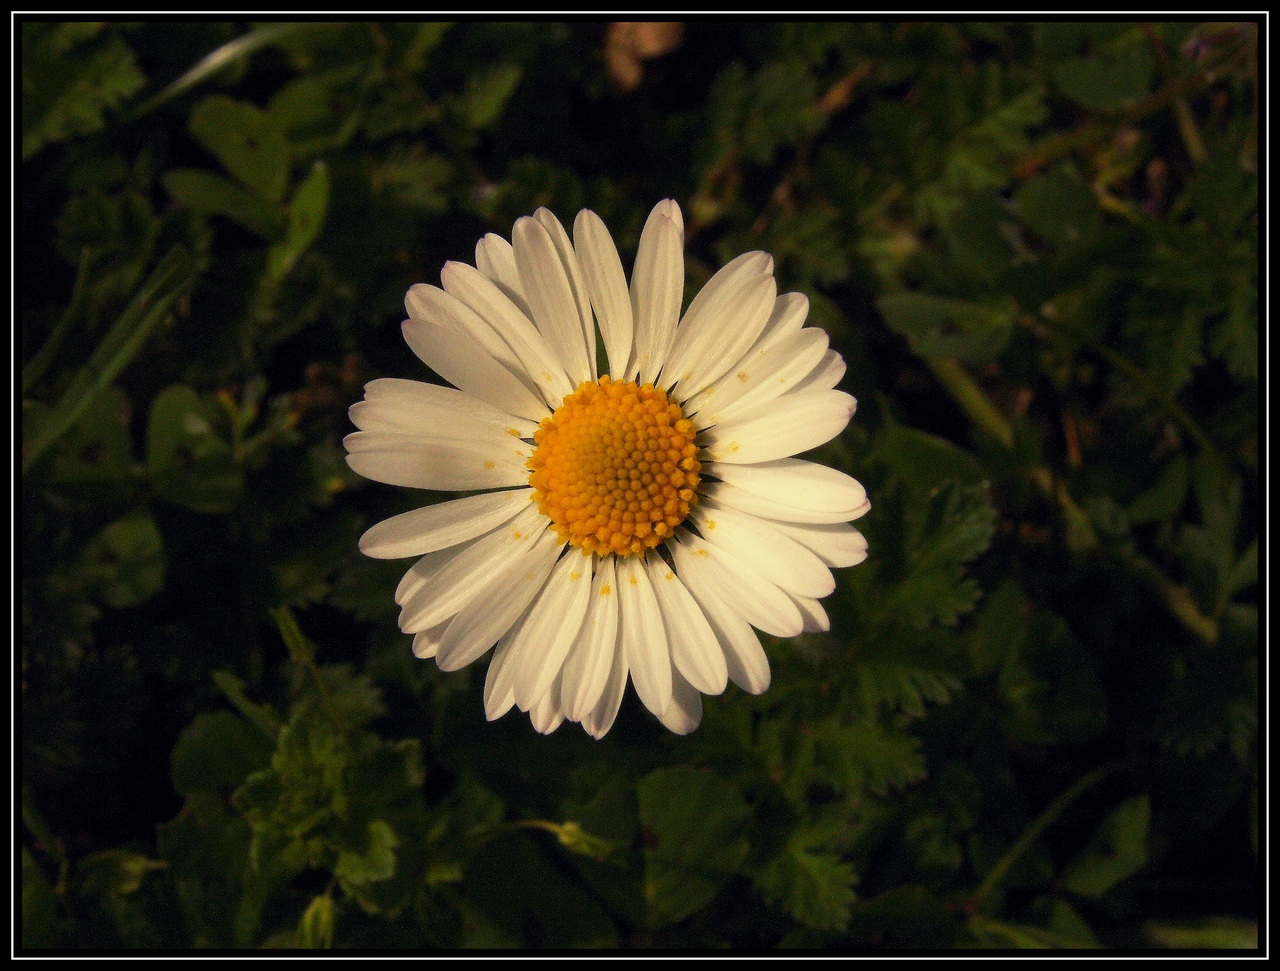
(616, 468)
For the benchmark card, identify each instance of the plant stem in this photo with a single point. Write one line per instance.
(1032, 833)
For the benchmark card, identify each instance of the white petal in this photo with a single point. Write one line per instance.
(552, 627)
(745, 658)
(722, 322)
(425, 302)
(529, 348)
(643, 638)
(790, 490)
(447, 348)
(762, 548)
(496, 705)
(826, 375)
(586, 669)
(788, 316)
(573, 271)
(606, 286)
(442, 583)
(495, 606)
(600, 719)
(497, 260)
(547, 714)
(836, 544)
(695, 652)
(759, 601)
(427, 642)
(445, 465)
(414, 407)
(684, 713)
(815, 617)
(551, 298)
(761, 376)
(657, 290)
(780, 428)
(443, 525)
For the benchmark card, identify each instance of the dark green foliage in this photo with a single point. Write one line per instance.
(1034, 721)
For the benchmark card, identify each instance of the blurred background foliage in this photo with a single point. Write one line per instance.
(1034, 721)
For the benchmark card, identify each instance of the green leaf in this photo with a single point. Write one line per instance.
(909, 916)
(1059, 207)
(117, 348)
(1116, 72)
(1166, 497)
(130, 552)
(1117, 851)
(487, 93)
(696, 826)
(946, 327)
(809, 881)
(217, 751)
(376, 862)
(210, 194)
(1215, 933)
(866, 758)
(246, 141)
(68, 90)
(39, 905)
(264, 717)
(114, 872)
(942, 532)
(97, 450)
(300, 648)
(187, 462)
(306, 216)
(315, 929)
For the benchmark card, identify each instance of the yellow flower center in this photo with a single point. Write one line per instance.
(615, 468)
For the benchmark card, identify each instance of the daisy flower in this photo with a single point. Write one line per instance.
(638, 523)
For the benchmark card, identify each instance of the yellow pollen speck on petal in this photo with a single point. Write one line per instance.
(513, 432)
(711, 524)
(701, 551)
(633, 580)
(574, 575)
(615, 468)
(488, 465)
(605, 590)
(743, 375)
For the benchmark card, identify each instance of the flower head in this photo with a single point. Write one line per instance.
(638, 523)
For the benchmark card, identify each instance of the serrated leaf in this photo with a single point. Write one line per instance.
(246, 141)
(377, 861)
(810, 882)
(697, 839)
(866, 758)
(66, 95)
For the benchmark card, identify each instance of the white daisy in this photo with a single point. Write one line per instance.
(638, 523)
